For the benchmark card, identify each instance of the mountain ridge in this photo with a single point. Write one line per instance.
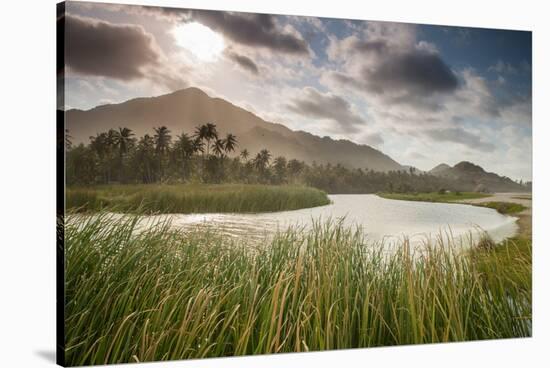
(183, 110)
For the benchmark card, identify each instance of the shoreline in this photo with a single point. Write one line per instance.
(522, 199)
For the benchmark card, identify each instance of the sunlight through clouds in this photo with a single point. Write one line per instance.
(203, 43)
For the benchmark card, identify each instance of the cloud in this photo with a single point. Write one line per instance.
(256, 30)
(248, 29)
(502, 67)
(244, 62)
(415, 71)
(105, 49)
(124, 52)
(412, 71)
(386, 64)
(327, 106)
(461, 136)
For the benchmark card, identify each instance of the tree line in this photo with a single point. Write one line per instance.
(118, 156)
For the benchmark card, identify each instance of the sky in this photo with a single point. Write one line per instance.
(422, 94)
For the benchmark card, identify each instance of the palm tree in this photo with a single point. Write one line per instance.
(110, 139)
(266, 156)
(145, 156)
(123, 139)
(102, 144)
(185, 146)
(198, 145)
(230, 143)
(279, 165)
(261, 161)
(244, 155)
(207, 132)
(184, 149)
(162, 139)
(219, 147)
(98, 144)
(162, 144)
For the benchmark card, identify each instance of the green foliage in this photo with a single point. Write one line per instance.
(506, 208)
(434, 196)
(135, 295)
(194, 198)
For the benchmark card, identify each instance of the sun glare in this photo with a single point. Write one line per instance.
(205, 44)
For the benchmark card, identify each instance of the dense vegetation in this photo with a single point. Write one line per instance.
(191, 198)
(163, 294)
(117, 156)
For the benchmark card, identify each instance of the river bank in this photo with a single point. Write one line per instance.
(513, 253)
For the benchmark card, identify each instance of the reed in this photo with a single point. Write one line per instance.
(137, 294)
(194, 198)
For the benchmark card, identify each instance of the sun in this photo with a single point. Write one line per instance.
(205, 44)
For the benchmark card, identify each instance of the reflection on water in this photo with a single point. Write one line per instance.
(380, 219)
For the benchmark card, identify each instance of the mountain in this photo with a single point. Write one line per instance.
(473, 177)
(183, 110)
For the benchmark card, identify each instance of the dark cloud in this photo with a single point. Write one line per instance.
(415, 71)
(257, 30)
(411, 74)
(459, 135)
(244, 62)
(111, 50)
(327, 106)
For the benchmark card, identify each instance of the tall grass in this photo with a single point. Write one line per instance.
(190, 198)
(162, 294)
(445, 197)
(506, 208)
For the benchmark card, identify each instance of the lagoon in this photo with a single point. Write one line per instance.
(380, 219)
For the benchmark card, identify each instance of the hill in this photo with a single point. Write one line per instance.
(473, 177)
(183, 110)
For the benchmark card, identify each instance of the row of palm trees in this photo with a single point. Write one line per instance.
(151, 155)
(205, 156)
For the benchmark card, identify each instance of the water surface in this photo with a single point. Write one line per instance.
(380, 219)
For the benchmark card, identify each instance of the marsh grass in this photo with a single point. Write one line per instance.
(506, 208)
(191, 198)
(445, 197)
(162, 294)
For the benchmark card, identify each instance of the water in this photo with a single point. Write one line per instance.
(380, 219)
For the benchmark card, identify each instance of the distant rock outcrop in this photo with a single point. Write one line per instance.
(469, 176)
